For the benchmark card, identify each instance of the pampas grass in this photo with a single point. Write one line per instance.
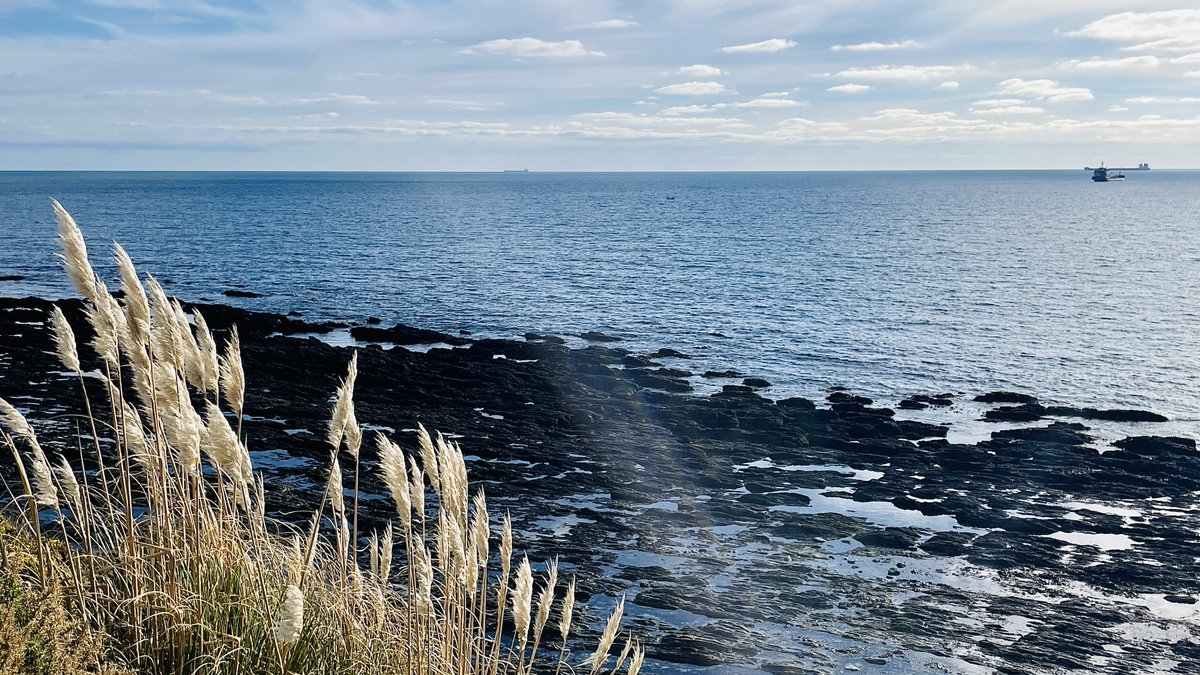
(174, 570)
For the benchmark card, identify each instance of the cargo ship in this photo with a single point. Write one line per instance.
(1104, 174)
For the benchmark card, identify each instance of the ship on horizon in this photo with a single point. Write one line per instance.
(1103, 174)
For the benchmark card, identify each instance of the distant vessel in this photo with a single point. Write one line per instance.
(1103, 174)
(516, 171)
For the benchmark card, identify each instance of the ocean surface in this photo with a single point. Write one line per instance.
(887, 283)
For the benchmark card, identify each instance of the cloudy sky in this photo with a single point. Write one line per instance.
(597, 84)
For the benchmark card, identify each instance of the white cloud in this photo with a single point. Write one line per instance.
(692, 89)
(699, 70)
(609, 24)
(772, 45)
(675, 111)
(1187, 58)
(903, 73)
(776, 94)
(1147, 100)
(850, 88)
(998, 102)
(1045, 90)
(1128, 64)
(1192, 73)
(769, 103)
(949, 84)
(1009, 110)
(348, 99)
(876, 46)
(1171, 30)
(532, 48)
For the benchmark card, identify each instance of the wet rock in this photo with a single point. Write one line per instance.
(538, 337)
(1058, 432)
(236, 293)
(405, 335)
(597, 336)
(902, 538)
(667, 353)
(840, 396)
(374, 321)
(1114, 415)
(1026, 412)
(12, 277)
(1005, 397)
(756, 383)
(713, 374)
(1157, 446)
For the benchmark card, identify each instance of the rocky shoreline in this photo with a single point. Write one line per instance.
(774, 535)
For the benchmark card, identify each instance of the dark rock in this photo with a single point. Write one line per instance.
(374, 321)
(597, 336)
(1180, 599)
(1156, 446)
(12, 277)
(1058, 432)
(405, 335)
(1005, 397)
(666, 353)
(721, 373)
(839, 396)
(796, 403)
(537, 337)
(912, 404)
(890, 537)
(235, 293)
(1114, 415)
(1027, 412)
(756, 383)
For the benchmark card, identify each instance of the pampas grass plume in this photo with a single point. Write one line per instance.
(233, 378)
(598, 657)
(522, 599)
(74, 255)
(64, 340)
(290, 624)
(39, 468)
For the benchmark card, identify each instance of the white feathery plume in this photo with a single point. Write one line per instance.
(64, 339)
(546, 599)
(74, 255)
(137, 306)
(480, 529)
(597, 659)
(162, 324)
(290, 624)
(39, 468)
(429, 458)
(67, 482)
(385, 555)
(206, 351)
(624, 652)
(395, 476)
(335, 487)
(416, 490)
(568, 611)
(135, 438)
(522, 598)
(186, 347)
(233, 377)
(107, 319)
(343, 423)
(222, 445)
(506, 545)
(635, 664)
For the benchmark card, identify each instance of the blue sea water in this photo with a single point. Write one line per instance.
(888, 283)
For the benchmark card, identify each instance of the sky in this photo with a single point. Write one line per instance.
(595, 85)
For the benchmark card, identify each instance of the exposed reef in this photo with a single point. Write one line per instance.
(785, 535)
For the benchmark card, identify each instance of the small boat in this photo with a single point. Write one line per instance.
(1103, 175)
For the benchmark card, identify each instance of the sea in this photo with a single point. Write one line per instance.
(887, 283)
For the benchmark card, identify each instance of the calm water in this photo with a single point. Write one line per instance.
(890, 283)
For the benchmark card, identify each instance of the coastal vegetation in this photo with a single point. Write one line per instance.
(145, 546)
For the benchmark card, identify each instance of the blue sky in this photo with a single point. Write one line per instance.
(597, 85)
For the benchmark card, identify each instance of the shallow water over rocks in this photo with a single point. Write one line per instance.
(753, 535)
